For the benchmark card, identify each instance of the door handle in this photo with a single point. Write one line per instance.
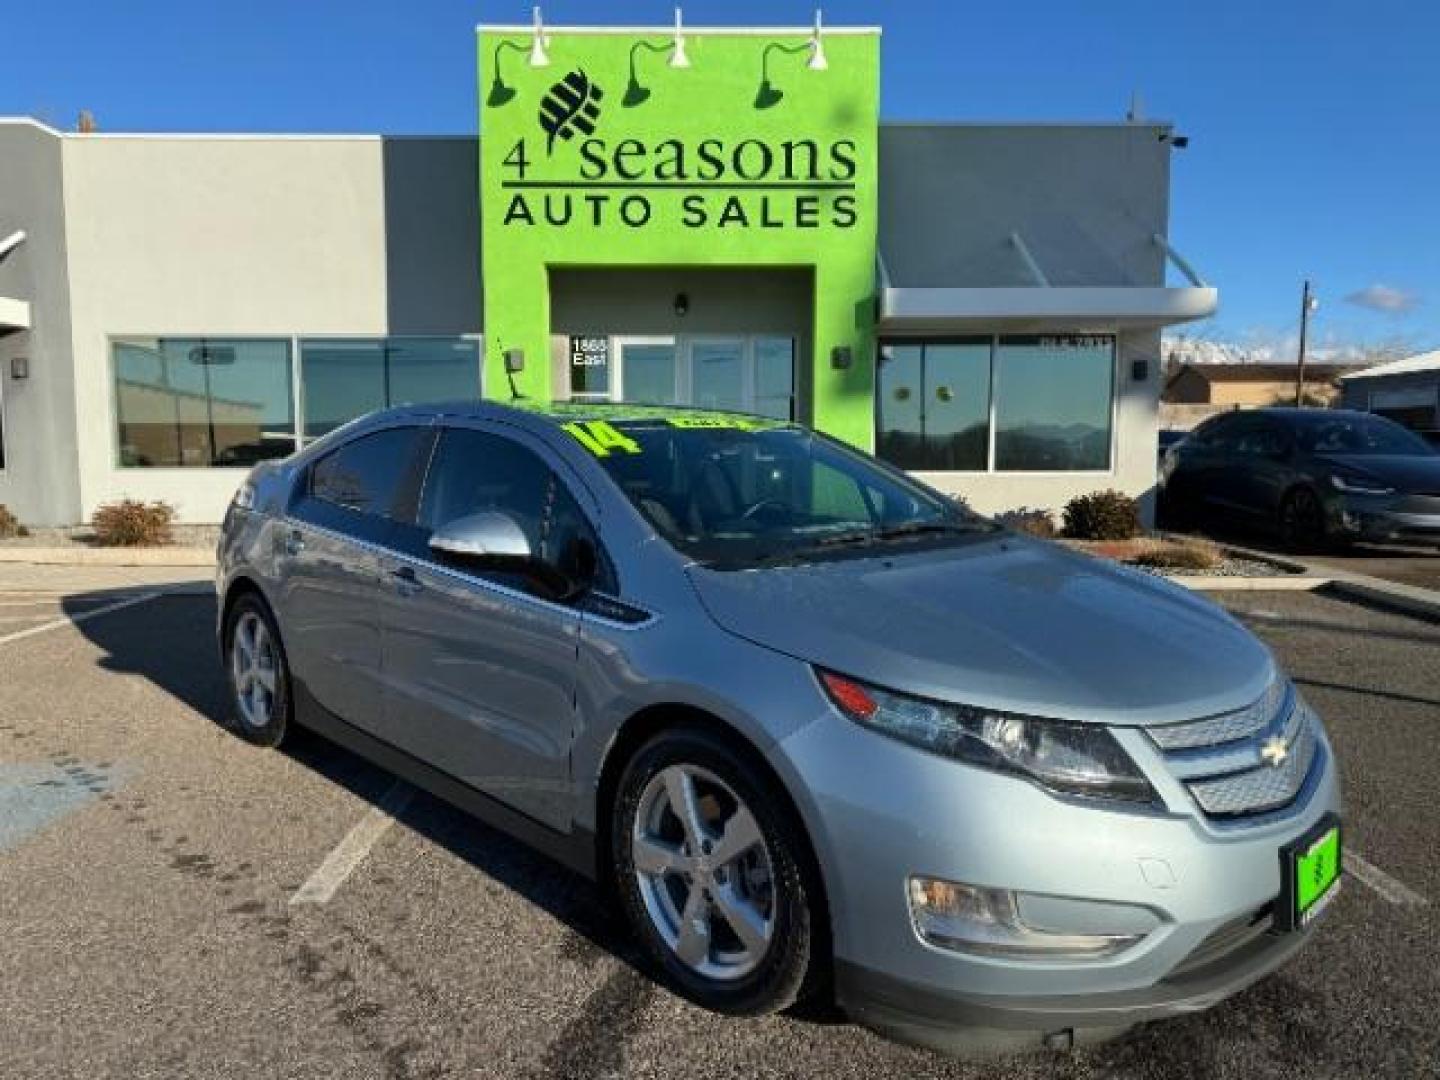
(294, 542)
(406, 582)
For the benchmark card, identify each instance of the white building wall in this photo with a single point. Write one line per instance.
(217, 237)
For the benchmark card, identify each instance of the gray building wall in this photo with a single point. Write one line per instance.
(41, 479)
(1370, 393)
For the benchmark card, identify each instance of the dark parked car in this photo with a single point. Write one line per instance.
(1313, 475)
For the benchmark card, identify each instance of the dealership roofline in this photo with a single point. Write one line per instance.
(372, 136)
(686, 29)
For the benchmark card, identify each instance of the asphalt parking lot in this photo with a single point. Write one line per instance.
(175, 902)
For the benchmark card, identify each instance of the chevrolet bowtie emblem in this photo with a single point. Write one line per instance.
(1274, 751)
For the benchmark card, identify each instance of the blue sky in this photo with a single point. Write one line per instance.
(1314, 126)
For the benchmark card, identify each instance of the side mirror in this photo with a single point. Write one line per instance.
(493, 540)
(490, 538)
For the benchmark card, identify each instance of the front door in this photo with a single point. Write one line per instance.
(480, 668)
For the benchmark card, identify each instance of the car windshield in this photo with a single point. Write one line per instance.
(742, 492)
(1359, 435)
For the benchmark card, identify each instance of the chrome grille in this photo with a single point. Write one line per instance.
(1228, 727)
(1221, 761)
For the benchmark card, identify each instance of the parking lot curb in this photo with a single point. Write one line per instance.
(1219, 583)
(1407, 599)
(84, 556)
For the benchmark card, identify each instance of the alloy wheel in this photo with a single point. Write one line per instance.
(254, 670)
(704, 872)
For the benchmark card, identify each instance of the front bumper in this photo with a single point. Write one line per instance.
(955, 1022)
(880, 811)
(1389, 517)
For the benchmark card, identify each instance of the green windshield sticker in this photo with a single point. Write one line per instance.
(600, 438)
(698, 422)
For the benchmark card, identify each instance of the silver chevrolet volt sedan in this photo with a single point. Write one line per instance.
(821, 730)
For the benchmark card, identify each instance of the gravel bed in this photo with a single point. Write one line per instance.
(1233, 566)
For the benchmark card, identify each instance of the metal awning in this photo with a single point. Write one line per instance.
(1039, 309)
(1044, 307)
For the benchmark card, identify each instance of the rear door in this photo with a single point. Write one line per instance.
(481, 665)
(338, 523)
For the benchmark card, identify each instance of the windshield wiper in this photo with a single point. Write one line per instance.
(901, 532)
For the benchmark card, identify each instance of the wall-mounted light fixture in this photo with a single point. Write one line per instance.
(842, 358)
(1140, 370)
(817, 61)
(539, 44)
(19, 367)
(769, 94)
(635, 93)
(682, 304)
(514, 361)
(501, 92)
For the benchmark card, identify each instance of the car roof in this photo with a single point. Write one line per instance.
(528, 412)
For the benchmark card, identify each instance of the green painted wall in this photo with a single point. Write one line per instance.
(704, 169)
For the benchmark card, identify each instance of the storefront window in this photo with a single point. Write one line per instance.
(933, 411)
(1053, 397)
(1049, 398)
(345, 378)
(203, 401)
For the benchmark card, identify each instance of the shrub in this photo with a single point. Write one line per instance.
(129, 523)
(9, 524)
(1180, 555)
(1102, 515)
(1030, 521)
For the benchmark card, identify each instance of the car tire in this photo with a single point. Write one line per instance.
(758, 904)
(257, 671)
(1302, 520)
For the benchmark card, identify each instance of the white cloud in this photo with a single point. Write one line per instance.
(1386, 298)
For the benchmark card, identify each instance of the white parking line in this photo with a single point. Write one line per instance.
(1394, 891)
(72, 620)
(351, 851)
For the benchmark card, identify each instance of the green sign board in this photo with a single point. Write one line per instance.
(750, 156)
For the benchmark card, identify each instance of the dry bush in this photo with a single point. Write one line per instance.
(1102, 515)
(130, 523)
(10, 524)
(1030, 521)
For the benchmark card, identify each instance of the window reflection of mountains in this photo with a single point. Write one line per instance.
(1039, 447)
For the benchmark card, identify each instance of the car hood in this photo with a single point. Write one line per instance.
(1410, 473)
(1013, 623)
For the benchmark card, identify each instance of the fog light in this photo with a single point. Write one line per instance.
(986, 922)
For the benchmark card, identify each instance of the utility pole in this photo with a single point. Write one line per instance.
(1308, 303)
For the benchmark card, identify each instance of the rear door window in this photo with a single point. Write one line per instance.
(360, 488)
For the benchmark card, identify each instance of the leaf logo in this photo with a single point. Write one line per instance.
(571, 105)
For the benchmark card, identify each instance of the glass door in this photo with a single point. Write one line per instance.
(751, 374)
(647, 371)
(719, 373)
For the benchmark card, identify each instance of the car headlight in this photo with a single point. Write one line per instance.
(1066, 757)
(1353, 486)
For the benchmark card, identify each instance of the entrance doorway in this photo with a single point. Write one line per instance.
(750, 373)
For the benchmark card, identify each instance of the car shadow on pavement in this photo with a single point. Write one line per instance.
(170, 640)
